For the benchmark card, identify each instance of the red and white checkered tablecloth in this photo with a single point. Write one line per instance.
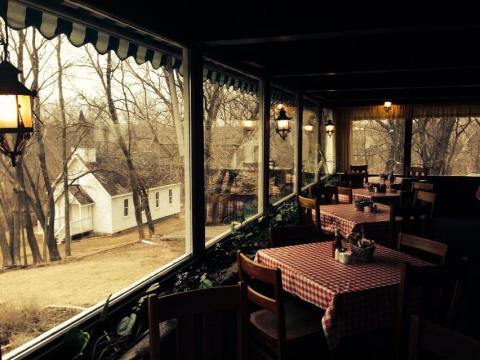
(347, 219)
(357, 297)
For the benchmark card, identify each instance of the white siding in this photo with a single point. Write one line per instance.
(102, 222)
(121, 222)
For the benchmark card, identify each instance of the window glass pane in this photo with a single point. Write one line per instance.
(448, 145)
(231, 143)
(309, 143)
(327, 145)
(282, 145)
(378, 143)
(125, 141)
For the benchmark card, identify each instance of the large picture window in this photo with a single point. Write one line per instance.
(447, 145)
(119, 129)
(232, 134)
(378, 143)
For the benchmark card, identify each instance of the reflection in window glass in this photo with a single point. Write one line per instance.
(327, 145)
(124, 141)
(378, 143)
(309, 144)
(232, 138)
(447, 145)
(282, 151)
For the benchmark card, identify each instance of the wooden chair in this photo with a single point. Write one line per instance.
(426, 291)
(278, 327)
(419, 293)
(422, 245)
(309, 211)
(422, 213)
(420, 186)
(345, 192)
(201, 316)
(293, 235)
(439, 342)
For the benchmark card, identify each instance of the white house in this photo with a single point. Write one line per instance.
(101, 201)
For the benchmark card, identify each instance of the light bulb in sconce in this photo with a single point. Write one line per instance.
(330, 127)
(282, 126)
(248, 125)
(387, 105)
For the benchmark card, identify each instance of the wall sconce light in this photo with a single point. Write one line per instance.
(16, 120)
(387, 105)
(308, 127)
(330, 127)
(249, 125)
(282, 126)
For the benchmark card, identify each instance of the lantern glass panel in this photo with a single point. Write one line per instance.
(8, 112)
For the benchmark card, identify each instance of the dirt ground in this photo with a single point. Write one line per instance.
(98, 267)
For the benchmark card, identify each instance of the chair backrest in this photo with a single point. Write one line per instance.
(344, 195)
(423, 245)
(292, 235)
(420, 186)
(200, 315)
(431, 339)
(425, 198)
(418, 171)
(249, 271)
(359, 169)
(309, 211)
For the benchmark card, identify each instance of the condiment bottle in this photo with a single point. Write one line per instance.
(337, 244)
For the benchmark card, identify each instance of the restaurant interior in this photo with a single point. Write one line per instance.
(346, 204)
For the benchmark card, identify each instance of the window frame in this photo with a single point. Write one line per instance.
(126, 207)
(50, 341)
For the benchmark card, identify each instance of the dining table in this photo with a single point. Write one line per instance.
(357, 298)
(387, 198)
(347, 219)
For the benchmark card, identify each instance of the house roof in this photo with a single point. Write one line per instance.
(112, 173)
(80, 195)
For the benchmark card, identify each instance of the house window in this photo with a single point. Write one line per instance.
(170, 196)
(125, 207)
(157, 199)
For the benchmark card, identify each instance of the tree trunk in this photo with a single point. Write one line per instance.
(49, 235)
(121, 142)
(66, 199)
(175, 108)
(27, 220)
(4, 248)
(15, 245)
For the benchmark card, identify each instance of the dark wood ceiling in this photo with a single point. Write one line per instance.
(340, 55)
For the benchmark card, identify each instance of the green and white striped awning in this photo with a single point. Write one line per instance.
(224, 77)
(107, 34)
(53, 22)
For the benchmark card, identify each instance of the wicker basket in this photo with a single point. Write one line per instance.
(362, 254)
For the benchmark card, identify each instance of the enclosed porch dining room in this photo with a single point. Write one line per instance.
(250, 180)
